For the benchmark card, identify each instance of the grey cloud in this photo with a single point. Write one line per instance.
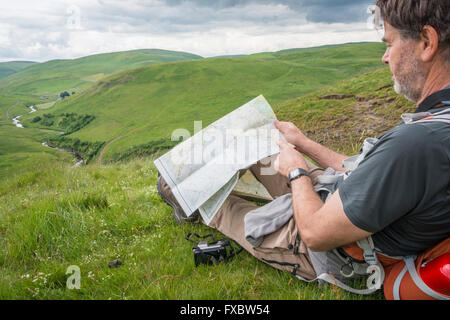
(182, 16)
(335, 11)
(327, 11)
(170, 16)
(39, 30)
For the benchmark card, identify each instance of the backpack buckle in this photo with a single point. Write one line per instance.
(370, 257)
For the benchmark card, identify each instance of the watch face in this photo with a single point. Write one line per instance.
(294, 173)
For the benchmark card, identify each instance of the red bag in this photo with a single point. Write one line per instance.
(400, 284)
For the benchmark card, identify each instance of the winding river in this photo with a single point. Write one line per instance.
(80, 160)
(16, 121)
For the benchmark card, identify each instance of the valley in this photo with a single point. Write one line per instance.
(133, 109)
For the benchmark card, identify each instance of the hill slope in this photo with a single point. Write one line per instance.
(343, 115)
(11, 67)
(140, 106)
(52, 77)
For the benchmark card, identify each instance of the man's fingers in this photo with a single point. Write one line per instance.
(277, 124)
(276, 164)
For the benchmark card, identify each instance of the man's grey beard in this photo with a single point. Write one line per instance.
(407, 91)
(410, 83)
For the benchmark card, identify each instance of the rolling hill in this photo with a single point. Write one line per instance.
(50, 78)
(11, 67)
(138, 107)
(40, 86)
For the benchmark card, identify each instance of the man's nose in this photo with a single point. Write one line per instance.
(385, 58)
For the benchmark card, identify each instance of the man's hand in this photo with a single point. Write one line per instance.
(289, 159)
(320, 154)
(292, 134)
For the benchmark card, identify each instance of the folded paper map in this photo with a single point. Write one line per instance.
(202, 170)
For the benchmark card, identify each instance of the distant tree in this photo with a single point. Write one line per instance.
(36, 119)
(73, 92)
(64, 94)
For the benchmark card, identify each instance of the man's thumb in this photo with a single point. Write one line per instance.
(282, 144)
(277, 124)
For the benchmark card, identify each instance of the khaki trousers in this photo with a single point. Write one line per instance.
(282, 249)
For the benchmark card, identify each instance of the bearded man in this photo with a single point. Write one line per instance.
(396, 192)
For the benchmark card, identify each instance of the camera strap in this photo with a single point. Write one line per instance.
(191, 234)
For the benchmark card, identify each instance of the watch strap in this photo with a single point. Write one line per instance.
(297, 173)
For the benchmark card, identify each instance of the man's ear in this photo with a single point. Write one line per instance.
(429, 44)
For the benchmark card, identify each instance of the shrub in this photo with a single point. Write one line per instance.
(36, 119)
(143, 150)
(86, 150)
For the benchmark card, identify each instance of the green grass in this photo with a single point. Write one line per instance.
(138, 106)
(50, 78)
(55, 217)
(21, 149)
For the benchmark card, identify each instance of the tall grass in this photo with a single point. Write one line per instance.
(90, 216)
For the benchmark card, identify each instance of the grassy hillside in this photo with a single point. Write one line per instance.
(343, 115)
(52, 217)
(138, 107)
(51, 78)
(11, 67)
(21, 149)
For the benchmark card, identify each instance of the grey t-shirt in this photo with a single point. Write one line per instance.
(401, 190)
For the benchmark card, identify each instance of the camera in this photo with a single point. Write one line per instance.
(214, 252)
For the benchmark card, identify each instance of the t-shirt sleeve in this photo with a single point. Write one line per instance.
(389, 182)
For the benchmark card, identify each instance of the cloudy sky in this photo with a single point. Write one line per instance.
(49, 29)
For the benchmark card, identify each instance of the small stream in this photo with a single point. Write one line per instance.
(16, 122)
(80, 160)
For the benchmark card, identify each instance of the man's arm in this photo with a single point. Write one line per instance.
(320, 154)
(321, 226)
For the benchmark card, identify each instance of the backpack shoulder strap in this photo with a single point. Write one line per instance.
(434, 99)
(441, 116)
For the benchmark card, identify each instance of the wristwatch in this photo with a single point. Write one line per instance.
(297, 173)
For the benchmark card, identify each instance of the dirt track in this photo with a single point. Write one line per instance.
(100, 156)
